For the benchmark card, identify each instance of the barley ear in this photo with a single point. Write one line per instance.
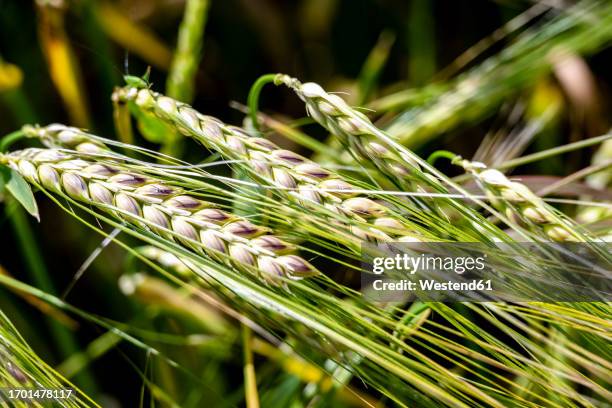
(296, 177)
(167, 211)
(518, 202)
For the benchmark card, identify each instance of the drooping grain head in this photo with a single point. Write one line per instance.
(163, 209)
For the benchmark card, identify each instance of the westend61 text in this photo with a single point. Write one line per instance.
(432, 285)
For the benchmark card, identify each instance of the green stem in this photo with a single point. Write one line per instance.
(181, 77)
(253, 98)
(77, 362)
(595, 168)
(11, 138)
(250, 381)
(441, 154)
(555, 151)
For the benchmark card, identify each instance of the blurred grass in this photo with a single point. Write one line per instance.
(133, 37)
(181, 78)
(581, 29)
(180, 84)
(421, 42)
(63, 65)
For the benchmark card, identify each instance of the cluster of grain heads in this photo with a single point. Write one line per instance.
(165, 210)
(293, 175)
(371, 145)
(519, 203)
(357, 132)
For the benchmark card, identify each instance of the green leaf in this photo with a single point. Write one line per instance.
(19, 188)
(152, 129)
